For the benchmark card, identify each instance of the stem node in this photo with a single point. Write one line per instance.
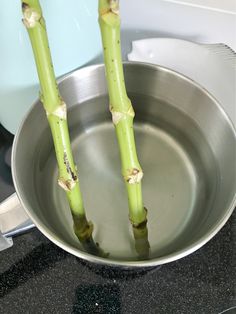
(67, 185)
(114, 5)
(133, 176)
(60, 111)
(117, 116)
(30, 16)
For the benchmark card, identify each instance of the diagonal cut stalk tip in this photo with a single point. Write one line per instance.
(30, 16)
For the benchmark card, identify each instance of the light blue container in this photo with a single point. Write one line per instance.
(74, 40)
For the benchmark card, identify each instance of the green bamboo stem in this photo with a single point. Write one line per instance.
(56, 114)
(121, 108)
(141, 242)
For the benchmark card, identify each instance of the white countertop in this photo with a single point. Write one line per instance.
(227, 6)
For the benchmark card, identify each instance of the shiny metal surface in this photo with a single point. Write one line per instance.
(13, 218)
(187, 148)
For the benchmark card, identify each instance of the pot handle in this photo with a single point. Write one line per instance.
(13, 218)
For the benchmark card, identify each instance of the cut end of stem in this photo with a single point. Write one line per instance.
(30, 16)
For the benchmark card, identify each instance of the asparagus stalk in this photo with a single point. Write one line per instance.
(121, 108)
(56, 112)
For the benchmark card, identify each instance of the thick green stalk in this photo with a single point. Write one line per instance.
(121, 107)
(56, 113)
(142, 245)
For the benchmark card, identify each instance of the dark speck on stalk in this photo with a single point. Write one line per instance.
(24, 5)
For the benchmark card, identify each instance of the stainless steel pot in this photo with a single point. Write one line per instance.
(187, 148)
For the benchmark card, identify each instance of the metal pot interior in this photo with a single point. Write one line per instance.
(187, 150)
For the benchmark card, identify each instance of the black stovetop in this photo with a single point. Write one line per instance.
(38, 277)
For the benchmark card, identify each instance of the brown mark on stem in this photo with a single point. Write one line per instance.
(68, 167)
(24, 6)
(68, 184)
(141, 225)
